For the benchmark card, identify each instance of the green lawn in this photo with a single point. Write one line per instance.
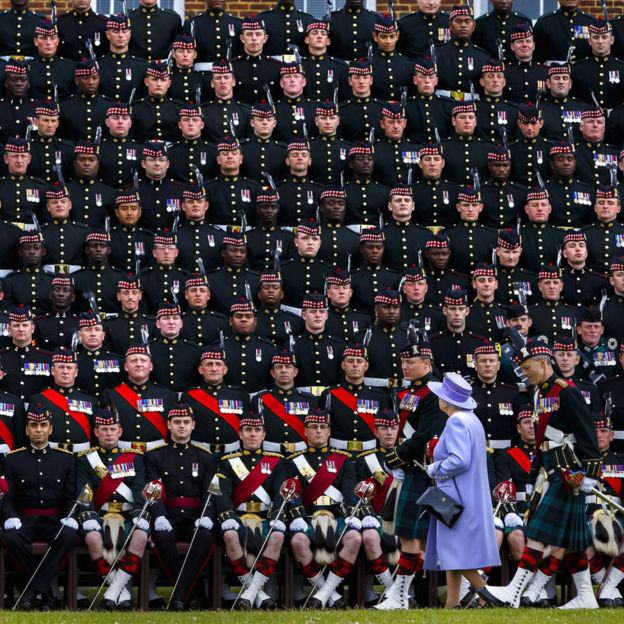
(426, 616)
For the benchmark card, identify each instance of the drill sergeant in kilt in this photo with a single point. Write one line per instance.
(217, 406)
(250, 484)
(567, 450)
(71, 410)
(283, 407)
(117, 479)
(141, 404)
(352, 404)
(421, 420)
(186, 471)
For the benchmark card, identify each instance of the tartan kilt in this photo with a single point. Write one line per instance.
(410, 520)
(560, 518)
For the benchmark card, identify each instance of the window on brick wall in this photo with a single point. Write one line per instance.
(531, 8)
(109, 7)
(319, 8)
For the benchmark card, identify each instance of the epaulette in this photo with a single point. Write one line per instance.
(335, 450)
(232, 455)
(200, 447)
(62, 450)
(368, 452)
(86, 451)
(296, 454)
(158, 447)
(562, 383)
(271, 454)
(220, 475)
(17, 450)
(136, 451)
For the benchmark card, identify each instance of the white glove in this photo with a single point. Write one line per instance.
(298, 525)
(370, 522)
(69, 522)
(91, 525)
(204, 522)
(278, 526)
(513, 520)
(498, 523)
(528, 489)
(587, 484)
(162, 524)
(354, 523)
(12, 523)
(431, 470)
(142, 524)
(229, 525)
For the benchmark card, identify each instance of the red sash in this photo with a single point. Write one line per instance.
(155, 418)
(404, 414)
(520, 457)
(6, 435)
(108, 485)
(379, 499)
(280, 411)
(323, 479)
(208, 401)
(616, 484)
(63, 402)
(253, 480)
(348, 399)
(544, 418)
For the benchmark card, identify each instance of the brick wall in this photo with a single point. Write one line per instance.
(243, 7)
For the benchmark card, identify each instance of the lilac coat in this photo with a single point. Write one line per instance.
(471, 543)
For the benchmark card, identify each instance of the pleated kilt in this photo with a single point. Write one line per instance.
(410, 520)
(560, 518)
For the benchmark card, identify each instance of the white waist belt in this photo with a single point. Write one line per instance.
(343, 445)
(148, 445)
(276, 447)
(467, 96)
(499, 444)
(558, 437)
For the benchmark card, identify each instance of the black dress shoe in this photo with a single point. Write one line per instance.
(606, 603)
(107, 604)
(124, 605)
(268, 604)
(618, 603)
(177, 605)
(490, 598)
(243, 605)
(46, 603)
(28, 602)
(157, 604)
(83, 603)
(544, 603)
(315, 603)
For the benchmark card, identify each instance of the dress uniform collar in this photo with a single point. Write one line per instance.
(112, 450)
(288, 8)
(62, 390)
(602, 59)
(98, 268)
(258, 451)
(184, 446)
(270, 311)
(356, 387)
(401, 224)
(314, 337)
(388, 54)
(120, 139)
(569, 12)
(47, 59)
(261, 140)
(121, 56)
(229, 178)
(130, 315)
(331, 224)
(460, 44)
(594, 145)
(250, 57)
(328, 139)
(137, 388)
(305, 260)
(527, 447)
(212, 388)
(485, 304)
(190, 141)
(33, 269)
(268, 228)
(453, 334)
(416, 306)
(197, 312)
(165, 269)
(416, 382)
(284, 392)
(151, 9)
(60, 221)
(538, 226)
(492, 99)
(170, 340)
(196, 222)
(298, 179)
(361, 181)
(156, 182)
(383, 449)
(18, 349)
(353, 10)
(373, 268)
(14, 177)
(240, 338)
(215, 12)
(90, 353)
(553, 304)
(19, 11)
(84, 181)
(80, 15)
(563, 180)
(317, 58)
(527, 141)
(362, 100)
(432, 182)
(422, 96)
(574, 271)
(342, 311)
(39, 451)
(619, 299)
(606, 225)
(486, 384)
(230, 269)
(313, 449)
(389, 330)
(92, 96)
(295, 100)
(469, 224)
(464, 138)
(156, 100)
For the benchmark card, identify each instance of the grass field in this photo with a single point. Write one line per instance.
(426, 616)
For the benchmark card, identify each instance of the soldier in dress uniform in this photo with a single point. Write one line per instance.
(156, 115)
(57, 328)
(366, 198)
(353, 403)
(253, 69)
(360, 112)
(551, 318)
(71, 409)
(540, 240)
(117, 479)
(246, 510)
(605, 239)
(324, 73)
(249, 356)
(392, 70)
(283, 407)
(119, 155)
(559, 109)
(600, 73)
(598, 352)
(141, 404)
(514, 282)
(613, 305)
(524, 78)
(571, 200)
(153, 30)
(581, 286)
(129, 242)
(12, 422)
(17, 29)
(98, 368)
(371, 277)
(318, 353)
(273, 323)
(351, 29)
(30, 284)
(92, 200)
(175, 358)
(186, 471)
(285, 26)
(130, 323)
(415, 308)
(215, 31)
(217, 407)
(20, 194)
(16, 107)
(420, 422)
(486, 315)
(426, 24)
(41, 489)
(556, 31)
(120, 71)
(338, 243)
(453, 348)
(612, 392)
(76, 26)
(199, 324)
(25, 368)
(47, 71)
(343, 321)
(186, 83)
(324, 507)
(559, 519)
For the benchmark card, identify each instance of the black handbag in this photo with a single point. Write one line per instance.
(440, 505)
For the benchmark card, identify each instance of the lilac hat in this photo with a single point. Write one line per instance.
(454, 390)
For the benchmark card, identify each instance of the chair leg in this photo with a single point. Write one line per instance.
(289, 579)
(217, 577)
(144, 581)
(71, 582)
